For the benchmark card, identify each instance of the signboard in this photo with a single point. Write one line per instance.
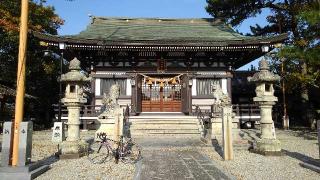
(58, 132)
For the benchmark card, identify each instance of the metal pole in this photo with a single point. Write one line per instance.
(60, 89)
(20, 80)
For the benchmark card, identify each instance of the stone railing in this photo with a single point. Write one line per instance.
(203, 118)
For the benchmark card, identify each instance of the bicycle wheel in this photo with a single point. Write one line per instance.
(131, 153)
(98, 153)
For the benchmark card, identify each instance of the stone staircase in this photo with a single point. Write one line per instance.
(174, 124)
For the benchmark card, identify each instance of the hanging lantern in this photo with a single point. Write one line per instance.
(174, 81)
(149, 82)
(161, 83)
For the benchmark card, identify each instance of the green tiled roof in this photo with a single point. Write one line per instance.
(155, 31)
(126, 29)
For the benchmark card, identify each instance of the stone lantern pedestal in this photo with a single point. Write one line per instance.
(268, 144)
(264, 79)
(74, 98)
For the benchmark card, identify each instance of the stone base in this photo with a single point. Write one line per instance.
(216, 129)
(267, 147)
(73, 149)
(23, 173)
(70, 156)
(268, 153)
(313, 165)
(105, 126)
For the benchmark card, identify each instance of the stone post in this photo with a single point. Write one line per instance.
(73, 122)
(264, 79)
(74, 98)
(227, 133)
(25, 169)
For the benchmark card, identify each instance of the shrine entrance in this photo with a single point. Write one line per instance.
(161, 94)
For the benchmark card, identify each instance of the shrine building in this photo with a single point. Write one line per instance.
(161, 65)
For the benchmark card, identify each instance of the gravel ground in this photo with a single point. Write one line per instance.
(250, 166)
(44, 149)
(246, 166)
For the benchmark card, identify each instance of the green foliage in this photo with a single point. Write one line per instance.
(41, 73)
(300, 19)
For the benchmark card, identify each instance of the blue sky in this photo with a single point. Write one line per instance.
(76, 12)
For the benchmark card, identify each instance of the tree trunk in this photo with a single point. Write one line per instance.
(306, 110)
(2, 108)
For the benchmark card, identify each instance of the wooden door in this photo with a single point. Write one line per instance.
(161, 98)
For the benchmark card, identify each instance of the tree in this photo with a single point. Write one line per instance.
(41, 80)
(300, 18)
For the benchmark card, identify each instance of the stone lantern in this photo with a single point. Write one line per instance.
(74, 99)
(264, 80)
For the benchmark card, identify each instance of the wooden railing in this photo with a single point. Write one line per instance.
(86, 110)
(88, 114)
(249, 112)
(203, 117)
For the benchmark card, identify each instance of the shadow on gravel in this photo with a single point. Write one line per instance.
(217, 147)
(48, 160)
(251, 134)
(298, 156)
(309, 135)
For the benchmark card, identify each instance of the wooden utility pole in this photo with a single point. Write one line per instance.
(20, 79)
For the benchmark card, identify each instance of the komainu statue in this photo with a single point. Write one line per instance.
(110, 103)
(220, 98)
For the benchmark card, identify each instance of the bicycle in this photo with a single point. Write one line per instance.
(126, 150)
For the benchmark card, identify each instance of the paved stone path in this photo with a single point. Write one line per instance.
(175, 159)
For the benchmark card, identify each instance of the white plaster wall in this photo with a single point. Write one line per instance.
(224, 86)
(128, 90)
(97, 88)
(194, 87)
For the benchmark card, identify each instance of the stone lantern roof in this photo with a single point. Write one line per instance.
(264, 75)
(74, 74)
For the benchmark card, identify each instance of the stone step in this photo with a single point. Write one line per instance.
(167, 135)
(156, 117)
(164, 126)
(164, 131)
(163, 122)
(174, 124)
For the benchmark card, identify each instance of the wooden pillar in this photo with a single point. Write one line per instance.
(22, 57)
